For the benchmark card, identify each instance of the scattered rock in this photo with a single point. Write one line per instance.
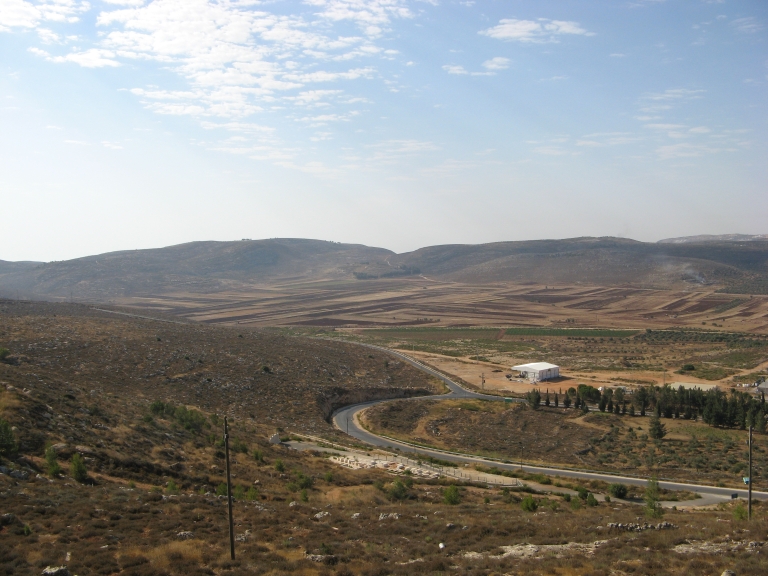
(728, 573)
(393, 515)
(185, 535)
(633, 527)
(293, 503)
(450, 525)
(7, 519)
(19, 474)
(441, 546)
(321, 515)
(356, 515)
(56, 571)
(243, 537)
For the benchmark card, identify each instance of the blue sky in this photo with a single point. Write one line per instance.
(397, 123)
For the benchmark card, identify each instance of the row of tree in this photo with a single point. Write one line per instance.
(714, 407)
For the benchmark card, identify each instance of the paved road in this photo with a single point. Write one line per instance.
(345, 420)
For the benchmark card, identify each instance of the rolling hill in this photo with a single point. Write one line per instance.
(211, 267)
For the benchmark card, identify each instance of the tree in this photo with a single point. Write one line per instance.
(653, 508)
(557, 402)
(78, 469)
(567, 401)
(52, 463)
(546, 399)
(656, 430)
(534, 399)
(451, 495)
(8, 445)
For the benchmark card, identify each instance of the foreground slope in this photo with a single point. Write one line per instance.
(141, 403)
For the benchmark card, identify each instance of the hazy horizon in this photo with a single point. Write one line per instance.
(131, 124)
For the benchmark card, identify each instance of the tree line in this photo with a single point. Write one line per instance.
(714, 407)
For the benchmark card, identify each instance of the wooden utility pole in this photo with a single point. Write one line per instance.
(229, 492)
(749, 501)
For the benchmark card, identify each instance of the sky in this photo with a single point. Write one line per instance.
(130, 124)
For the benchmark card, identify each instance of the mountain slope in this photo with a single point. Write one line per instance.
(196, 266)
(210, 267)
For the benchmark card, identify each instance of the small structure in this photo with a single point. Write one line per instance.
(275, 439)
(538, 371)
(693, 386)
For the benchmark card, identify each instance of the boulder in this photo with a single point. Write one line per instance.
(56, 571)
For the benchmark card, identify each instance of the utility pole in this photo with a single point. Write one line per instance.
(482, 380)
(749, 501)
(229, 493)
(521, 455)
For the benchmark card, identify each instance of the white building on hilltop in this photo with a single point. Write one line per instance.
(537, 371)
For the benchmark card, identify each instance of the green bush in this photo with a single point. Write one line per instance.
(221, 489)
(4, 352)
(304, 496)
(397, 491)
(567, 497)
(618, 490)
(258, 455)
(78, 469)
(172, 487)
(252, 494)
(451, 495)
(740, 512)
(591, 500)
(279, 466)
(529, 504)
(328, 477)
(8, 445)
(239, 492)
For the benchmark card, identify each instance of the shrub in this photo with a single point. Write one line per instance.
(221, 489)
(328, 477)
(279, 466)
(239, 492)
(583, 492)
(8, 445)
(567, 497)
(252, 494)
(4, 352)
(172, 487)
(258, 455)
(591, 500)
(618, 490)
(451, 495)
(304, 496)
(529, 504)
(398, 491)
(78, 469)
(740, 512)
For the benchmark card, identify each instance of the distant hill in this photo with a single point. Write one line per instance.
(607, 261)
(715, 238)
(16, 266)
(194, 267)
(210, 267)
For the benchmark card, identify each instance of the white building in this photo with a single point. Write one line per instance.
(537, 371)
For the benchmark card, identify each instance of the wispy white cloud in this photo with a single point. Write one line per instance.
(497, 63)
(454, 69)
(748, 25)
(537, 31)
(23, 14)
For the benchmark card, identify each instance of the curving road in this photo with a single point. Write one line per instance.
(346, 420)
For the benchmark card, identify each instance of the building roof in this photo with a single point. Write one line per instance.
(693, 386)
(535, 366)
